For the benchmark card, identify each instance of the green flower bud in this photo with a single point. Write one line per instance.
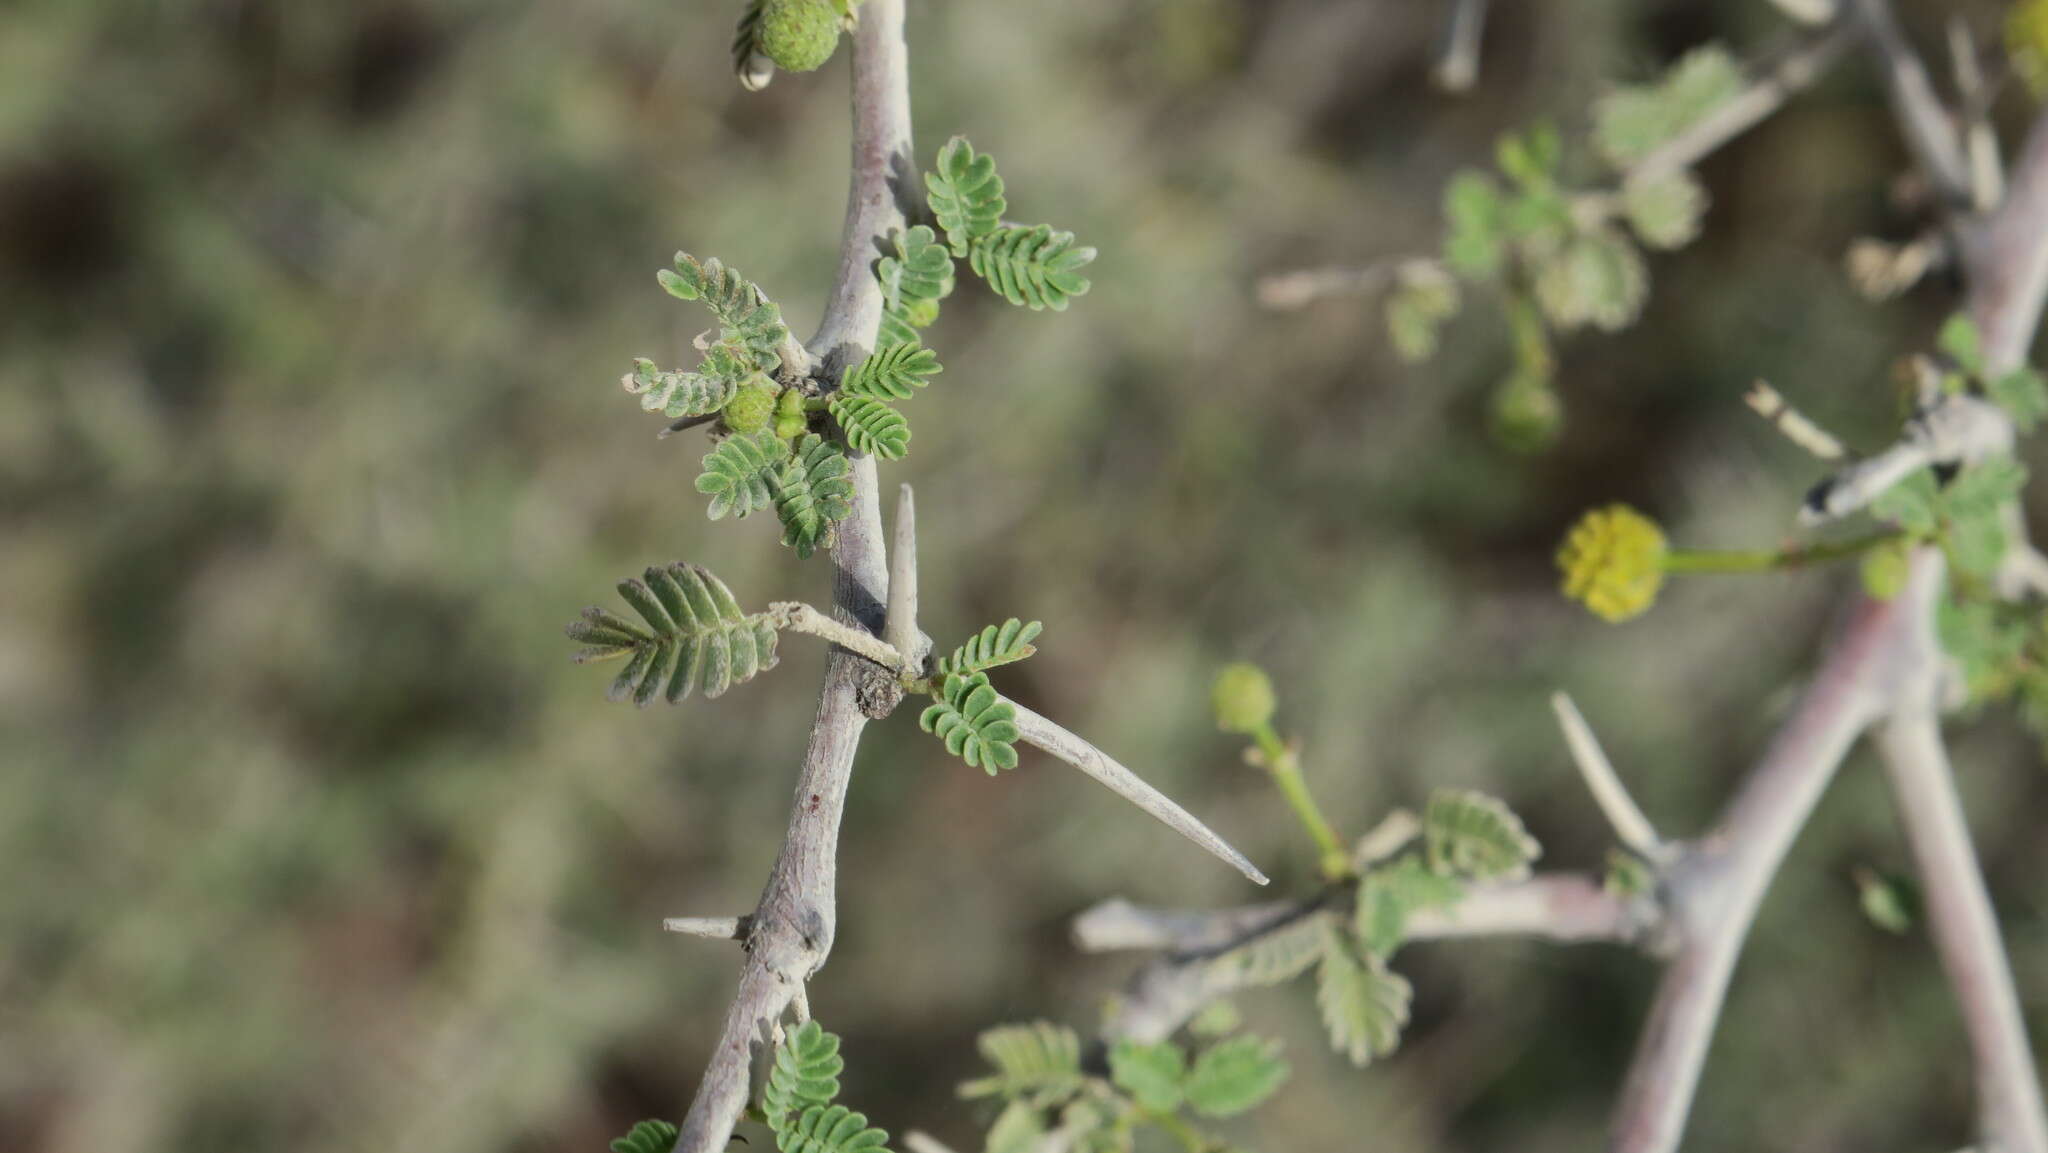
(1243, 698)
(799, 35)
(749, 409)
(790, 420)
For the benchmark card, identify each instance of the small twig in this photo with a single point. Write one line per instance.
(1796, 426)
(685, 424)
(1954, 429)
(1457, 69)
(1044, 734)
(1290, 290)
(899, 628)
(1929, 132)
(1980, 141)
(1791, 74)
(1881, 271)
(798, 617)
(713, 928)
(1630, 825)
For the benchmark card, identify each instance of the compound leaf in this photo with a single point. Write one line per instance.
(966, 195)
(914, 280)
(1472, 835)
(813, 491)
(1038, 1058)
(1388, 894)
(830, 1129)
(677, 394)
(746, 317)
(1151, 1074)
(975, 722)
(871, 426)
(739, 473)
(695, 635)
(895, 372)
(805, 1073)
(1031, 265)
(1364, 1004)
(995, 645)
(651, 1136)
(1234, 1075)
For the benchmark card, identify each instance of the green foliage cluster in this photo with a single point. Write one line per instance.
(2001, 646)
(1038, 1074)
(1563, 254)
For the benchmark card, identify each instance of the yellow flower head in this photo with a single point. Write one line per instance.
(1613, 561)
(2026, 43)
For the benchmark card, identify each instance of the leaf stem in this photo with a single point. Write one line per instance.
(1767, 560)
(1285, 767)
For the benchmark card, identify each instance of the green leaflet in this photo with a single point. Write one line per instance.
(1151, 1074)
(1475, 232)
(1364, 1004)
(965, 193)
(1017, 1129)
(738, 471)
(914, 280)
(1274, 957)
(647, 1137)
(1472, 835)
(892, 373)
(1038, 1058)
(1388, 894)
(812, 491)
(993, 646)
(746, 317)
(805, 1073)
(830, 1129)
(2023, 394)
(1597, 277)
(975, 722)
(1234, 1075)
(677, 394)
(1031, 265)
(1424, 297)
(871, 426)
(695, 635)
(1665, 210)
(1630, 123)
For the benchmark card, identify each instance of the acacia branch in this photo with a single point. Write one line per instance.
(790, 932)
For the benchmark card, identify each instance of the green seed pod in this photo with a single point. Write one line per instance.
(749, 409)
(799, 35)
(790, 420)
(1243, 698)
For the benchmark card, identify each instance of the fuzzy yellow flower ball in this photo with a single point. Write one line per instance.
(1613, 561)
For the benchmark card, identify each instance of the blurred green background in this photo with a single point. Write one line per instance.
(311, 318)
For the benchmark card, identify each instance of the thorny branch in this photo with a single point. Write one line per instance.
(789, 934)
(1883, 669)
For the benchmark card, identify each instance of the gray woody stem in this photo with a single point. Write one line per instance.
(1964, 927)
(790, 932)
